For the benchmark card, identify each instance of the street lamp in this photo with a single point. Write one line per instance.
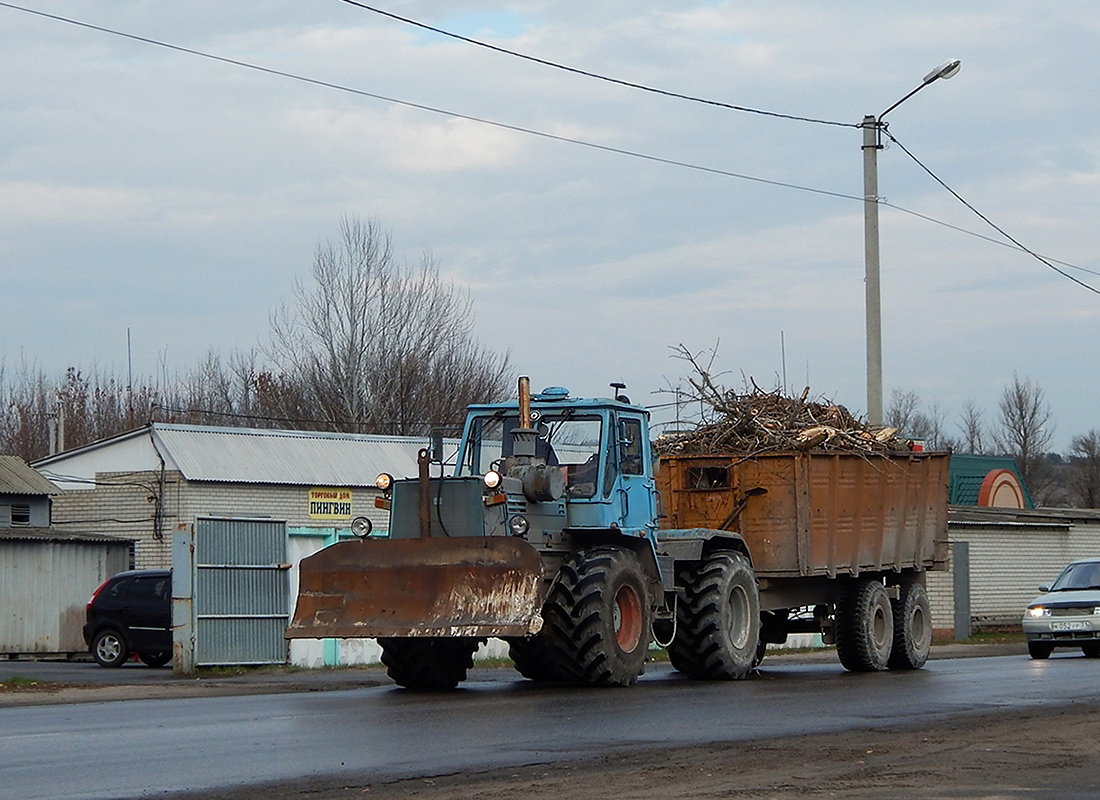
(872, 143)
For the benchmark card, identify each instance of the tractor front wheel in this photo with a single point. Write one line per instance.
(430, 662)
(598, 618)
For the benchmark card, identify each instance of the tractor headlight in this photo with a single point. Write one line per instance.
(384, 481)
(361, 527)
(518, 525)
(491, 479)
(1038, 611)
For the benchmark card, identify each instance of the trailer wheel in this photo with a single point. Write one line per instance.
(598, 618)
(864, 626)
(718, 621)
(427, 663)
(912, 628)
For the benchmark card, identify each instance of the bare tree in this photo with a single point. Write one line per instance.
(1025, 431)
(374, 345)
(904, 414)
(1084, 469)
(973, 428)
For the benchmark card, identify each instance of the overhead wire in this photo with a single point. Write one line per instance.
(588, 74)
(433, 109)
(1019, 245)
(1015, 244)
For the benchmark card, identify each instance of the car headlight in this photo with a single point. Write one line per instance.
(384, 481)
(1096, 611)
(491, 479)
(1039, 611)
(518, 525)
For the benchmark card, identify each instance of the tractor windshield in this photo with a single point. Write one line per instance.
(566, 440)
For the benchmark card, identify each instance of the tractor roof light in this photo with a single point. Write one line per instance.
(384, 481)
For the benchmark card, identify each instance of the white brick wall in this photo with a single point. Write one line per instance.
(123, 504)
(1008, 562)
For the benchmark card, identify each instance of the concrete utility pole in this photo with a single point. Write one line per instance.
(872, 143)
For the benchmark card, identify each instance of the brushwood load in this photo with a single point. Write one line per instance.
(547, 533)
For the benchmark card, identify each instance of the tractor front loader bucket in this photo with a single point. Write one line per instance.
(470, 586)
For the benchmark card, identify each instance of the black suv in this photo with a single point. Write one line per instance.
(131, 613)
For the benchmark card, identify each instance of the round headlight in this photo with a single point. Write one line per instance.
(518, 525)
(361, 527)
(384, 481)
(491, 479)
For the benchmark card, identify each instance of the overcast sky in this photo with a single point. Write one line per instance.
(180, 197)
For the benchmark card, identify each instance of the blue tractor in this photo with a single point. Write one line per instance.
(545, 535)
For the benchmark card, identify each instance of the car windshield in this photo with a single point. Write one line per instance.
(567, 440)
(1085, 575)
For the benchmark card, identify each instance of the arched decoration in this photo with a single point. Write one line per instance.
(1001, 489)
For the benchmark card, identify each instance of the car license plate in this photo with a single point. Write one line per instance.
(1071, 625)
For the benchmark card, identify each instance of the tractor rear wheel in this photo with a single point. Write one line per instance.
(864, 626)
(718, 619)
(912, 628)
(598, 618)
(427, 663)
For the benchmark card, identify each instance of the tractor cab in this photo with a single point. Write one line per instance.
(600, 448)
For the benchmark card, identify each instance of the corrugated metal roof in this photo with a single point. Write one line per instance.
(301, 458)
(57, 535)
(17, 478)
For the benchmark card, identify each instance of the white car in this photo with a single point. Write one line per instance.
(1067, 614)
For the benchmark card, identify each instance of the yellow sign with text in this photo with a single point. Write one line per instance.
(330, 503)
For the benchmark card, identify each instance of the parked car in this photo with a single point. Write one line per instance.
(131, 613)
(1067, 614)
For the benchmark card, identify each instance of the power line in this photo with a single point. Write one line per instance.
(595, 75)
(580, 142)
(987, 220)
(434, 110)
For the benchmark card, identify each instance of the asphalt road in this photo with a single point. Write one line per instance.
(143, 748)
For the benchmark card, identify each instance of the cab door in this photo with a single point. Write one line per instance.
(635, 493)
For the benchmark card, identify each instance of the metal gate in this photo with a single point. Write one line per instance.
(240, 595)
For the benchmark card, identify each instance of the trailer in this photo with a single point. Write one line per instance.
(840, 541)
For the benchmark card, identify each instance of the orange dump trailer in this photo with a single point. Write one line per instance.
(840, 542)
(816, 513)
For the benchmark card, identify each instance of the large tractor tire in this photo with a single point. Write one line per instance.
(717, 619)
(864, 626)
(598, 618)
(430, 662)
(912, 628)
(534, 658)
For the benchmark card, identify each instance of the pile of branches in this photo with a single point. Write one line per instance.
(758, 422)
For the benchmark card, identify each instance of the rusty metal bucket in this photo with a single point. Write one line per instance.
(470, 586)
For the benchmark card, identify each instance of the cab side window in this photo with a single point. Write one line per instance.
(631, 447)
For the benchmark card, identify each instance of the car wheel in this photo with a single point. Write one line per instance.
(1039, 650)
(1091, 650)
(158, 659)
(109, 648)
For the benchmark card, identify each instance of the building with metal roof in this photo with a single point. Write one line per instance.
(147, 482)
(238, 455)
(234, 510)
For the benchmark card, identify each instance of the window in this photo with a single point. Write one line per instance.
(632, 447)
(20, 514)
